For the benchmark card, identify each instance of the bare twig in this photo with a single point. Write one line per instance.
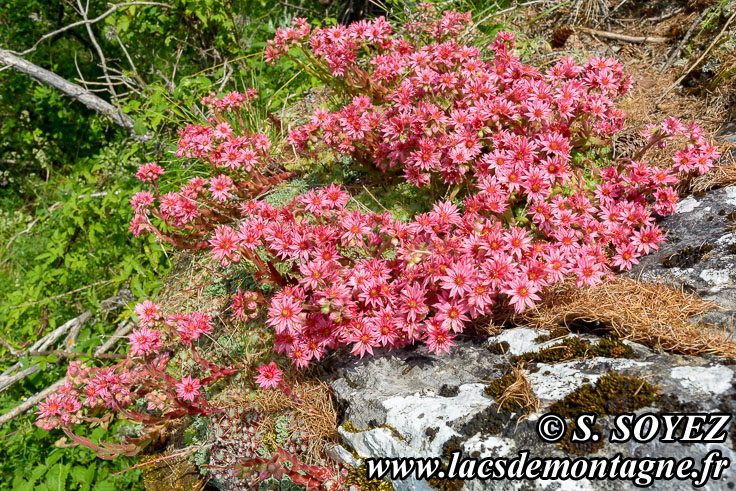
(103, 61)
(689, 34)
(72, 90)
(623, 37)
(55, 297)
(120, 333)
(24, 231)
(699, 60)
(71, 355)
(127, 55)
(32, 401)
(662, 17)
(186, 451)
(9, 377)
(13, 351)
(102, 16)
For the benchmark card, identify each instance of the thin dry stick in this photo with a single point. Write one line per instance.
(677, 49)
(165, 457)
(35, 399)
(73, 90)
(13, 351)
(71, 292)
(24, 231)
(30, 402)
(623, 37)
(121, 331)
(103, 62)
(102, 16)
(72, 355)
(700, 59)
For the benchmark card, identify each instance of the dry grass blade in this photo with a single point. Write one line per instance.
(721, 176)
(653, 314)
(520, 393)
(312, 409)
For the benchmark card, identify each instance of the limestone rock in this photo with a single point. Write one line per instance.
(417, 404)
(700, 252)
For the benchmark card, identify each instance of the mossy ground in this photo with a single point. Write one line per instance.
(574, 347)
(498, 386)
(554, 334)
(613, 393)
(357, 477)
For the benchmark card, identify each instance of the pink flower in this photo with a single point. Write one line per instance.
(269, 376)
(191, 327)
(285, 313)
(439, 339)
(365, 339)
(141, 201)
(149, 172)
(458, 279)
(148, 313)
(522, 294)
(220, 187)
(188, 388)
(225, 245)
(451, 314)
(144, 341)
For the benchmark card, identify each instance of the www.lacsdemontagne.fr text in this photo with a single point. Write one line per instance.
(641, 471)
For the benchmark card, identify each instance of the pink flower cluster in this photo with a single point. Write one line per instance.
(365, 280)
(144, 374)
(240, 164)
(442, 108)
(245, 305)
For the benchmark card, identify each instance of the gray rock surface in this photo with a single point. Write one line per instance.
(700, 252)
(415, 404)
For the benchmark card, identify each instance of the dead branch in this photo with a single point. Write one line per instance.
(13, 351)
(24, 231)
(121, 332)
(67, 355)
(72, 90)
(32, 401)
(8, 378)
(677, 49)
(102, 16)
(700, 59)
(623, 37)
(103, 61)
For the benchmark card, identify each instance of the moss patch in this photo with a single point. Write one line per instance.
(556, 334)
(169, 474)
(499, 348)
(613, 393)
(581, 448)
(350, 428)
(569, 348)
(498, 386)
(357, 476)
(687, 257)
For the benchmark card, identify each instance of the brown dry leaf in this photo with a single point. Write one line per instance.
(653, 314)
(520, 392)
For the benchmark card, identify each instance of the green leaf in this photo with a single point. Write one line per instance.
(56, 476)
(139, 127)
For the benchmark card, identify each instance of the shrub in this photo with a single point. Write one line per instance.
(534, 199)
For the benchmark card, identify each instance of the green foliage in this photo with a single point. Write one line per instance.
(66, 177)
(43, 467)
